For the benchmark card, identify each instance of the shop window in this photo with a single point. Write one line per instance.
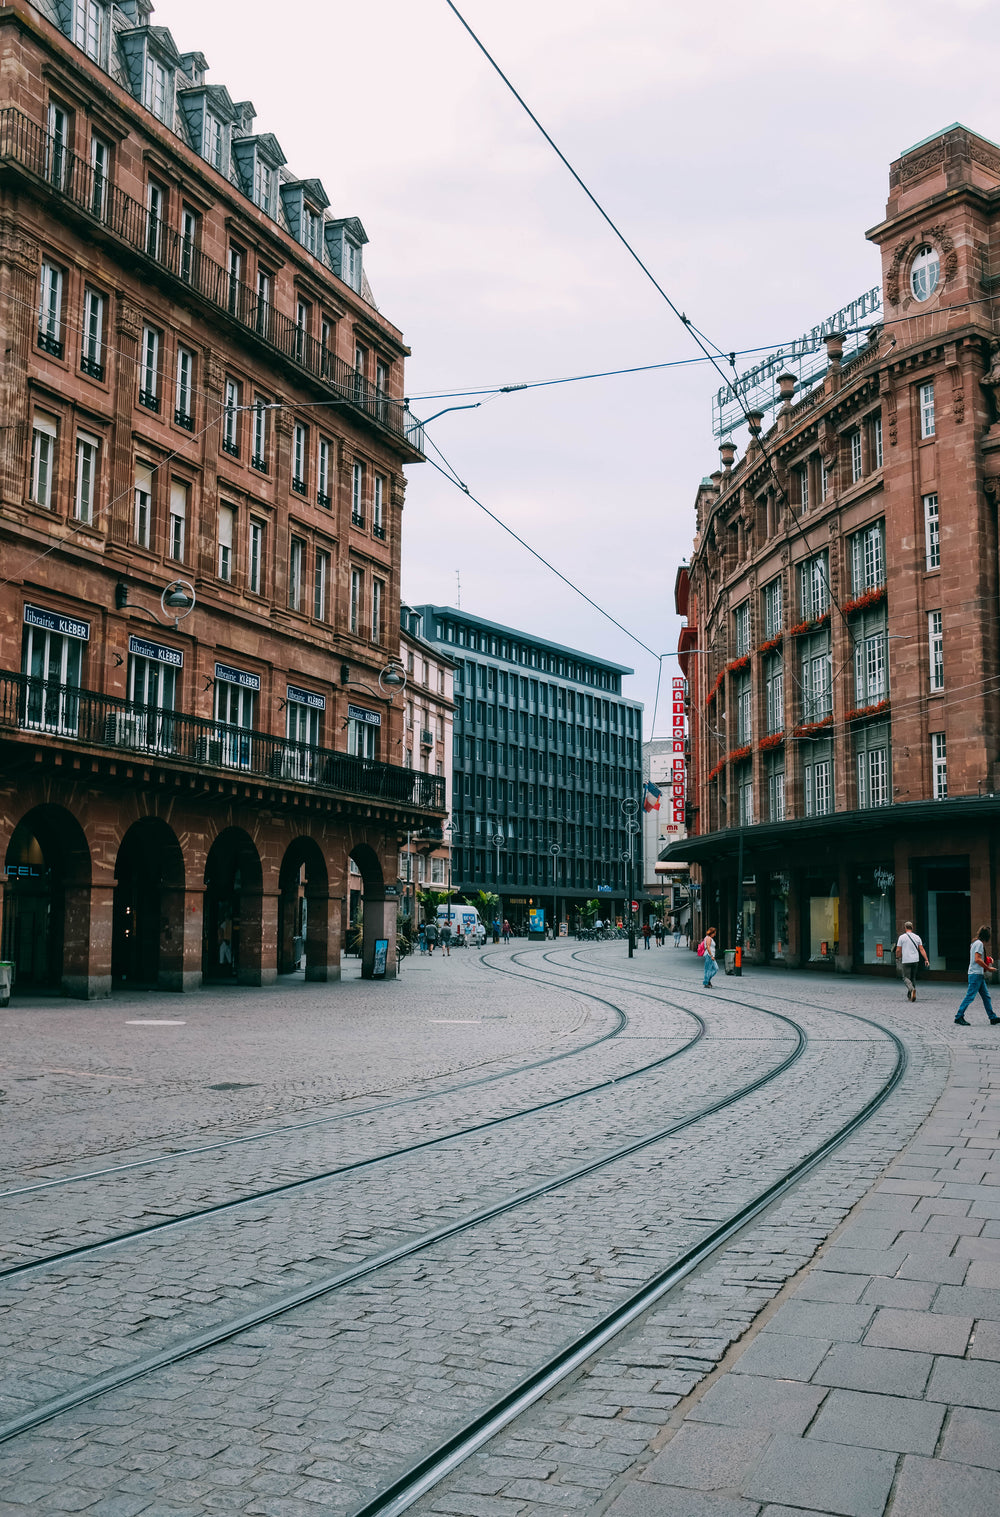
(877, 915)
(822, 911)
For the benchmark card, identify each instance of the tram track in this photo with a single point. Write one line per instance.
(62, 1256)
(316, 1290)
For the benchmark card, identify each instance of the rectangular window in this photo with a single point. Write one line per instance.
(296, 559)
(156, 201)
(227, 531)
(817, 693)
(302, 314)
(744, 711)
(149, 369)
(255, 557)
(259, 459)
(183, 414)
(86, 477)
(178, 519)
(856, 465)
(356, 591)
(939, 756)
(234, 270)
(814, 587)
(775, 692)
(263, 183)
(321, 584)
(326, 339)
(877, 441)
(358, 495)
(50, 300)
(935, 644)
(377, 588)
(870, 678)
(824, 480)
(154, 94)
(817, 775)
(189, 243)
(100, 166)
(744, 785)
(776, 794)
(92, 347)
(142, 521)
(58, 145)
(300, 449)
(378, 523)
(213, 141)
(323, 496)
(88, 28)
(263, 302)
(741, 623)
(772, 609)
(311, 230)
(43, 458)
(868, 558)
(927, 410)
(873, 778)
(803, 477)
(231, 420)
(932, 531)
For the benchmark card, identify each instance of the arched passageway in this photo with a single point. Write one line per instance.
(378, 938)
(147, 944)
(46, 919)
(231, 945)
(303, 910)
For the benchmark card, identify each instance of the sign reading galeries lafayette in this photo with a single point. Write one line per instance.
(679, 762)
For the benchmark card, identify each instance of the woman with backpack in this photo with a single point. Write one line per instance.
(706, 951)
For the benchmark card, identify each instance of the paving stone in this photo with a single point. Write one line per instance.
(824, 1285)
(967, 1300)
(940, 1269)
(641, 1499)
(986, 1341)
(912, 1295)
(972, 1437)
(965, 1382)
(928, 1332)
(809, 1319)
(888, 1371)
(879, 1422)
(939, 1488)
(781, 1357)
(830, 1477)
(750, 1401)
(705, 1457)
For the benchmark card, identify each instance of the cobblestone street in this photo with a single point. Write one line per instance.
(263, 1251)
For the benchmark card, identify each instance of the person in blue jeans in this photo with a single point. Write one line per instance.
(979, 962)
(711, 967)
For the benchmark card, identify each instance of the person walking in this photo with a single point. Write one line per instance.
(647, 933)
(979, 962)
(506, 930)
(659, 929)
(431, 934)
(445, 935)
(909, 951)
(496, 930)
(678, 931)
(422, 938)
(708, 954)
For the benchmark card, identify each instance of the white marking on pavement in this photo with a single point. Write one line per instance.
(456, 1021)
(152, 1022)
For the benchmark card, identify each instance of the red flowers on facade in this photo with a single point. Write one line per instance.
(863, 602)
(773, 740)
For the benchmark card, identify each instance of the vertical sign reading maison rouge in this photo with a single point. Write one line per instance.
(679, 766)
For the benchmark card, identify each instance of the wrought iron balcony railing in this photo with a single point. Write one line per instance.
(30, 704)
(27, 145)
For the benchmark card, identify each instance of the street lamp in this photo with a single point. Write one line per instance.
(176, 602)
(390, 679)
(630, 810)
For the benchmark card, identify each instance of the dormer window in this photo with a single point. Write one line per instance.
(154, 90)
(344, 241)
(88, 28)
(263, 186)
(311, 230)
(213, 145)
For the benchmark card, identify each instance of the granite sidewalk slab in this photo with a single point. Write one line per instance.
(874, 1389)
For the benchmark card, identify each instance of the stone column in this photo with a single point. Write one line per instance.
(87, 932)
(379, 922)
(128, 327)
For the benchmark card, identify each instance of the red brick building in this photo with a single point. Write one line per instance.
(843, 609)
(200, 402)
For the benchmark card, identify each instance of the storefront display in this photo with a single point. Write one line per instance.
(876, 896)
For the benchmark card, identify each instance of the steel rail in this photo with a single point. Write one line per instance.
(223, 1332)
(47, 1261)
(429, 1471)
(293, 1127)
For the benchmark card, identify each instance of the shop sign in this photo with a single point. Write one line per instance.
(230, 676)
(679, 766)
(536, 919)
(381, 955)
(878, 950)
(604, 890)
(359, 714)
(884, 879)
(305, 698)
(69, 626)
(156, 651)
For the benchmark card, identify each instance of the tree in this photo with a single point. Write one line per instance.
(432, 899)
(488, 903)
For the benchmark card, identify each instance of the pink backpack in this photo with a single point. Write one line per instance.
(701, 949)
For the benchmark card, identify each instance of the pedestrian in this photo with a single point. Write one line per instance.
(506, 930)
(647, 933)
(707, 951)
(598, 925)
(658, 928)
(909, 951)
(979, 962)
(678, 933)
(431, 934)
(445, 935)
(496, 930)
(422, 938)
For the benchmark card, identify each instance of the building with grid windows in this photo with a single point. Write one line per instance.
(201, 476)
(545, 750)
(843, 607)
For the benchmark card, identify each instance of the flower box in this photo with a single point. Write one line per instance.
(773, 740)
(737, 755)
(771, 644)
(865, 601)
(806, 729)
(863, 713)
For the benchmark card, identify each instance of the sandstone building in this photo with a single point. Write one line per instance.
(198, 395)
(843, 607)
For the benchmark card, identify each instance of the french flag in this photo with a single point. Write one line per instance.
(651, 797)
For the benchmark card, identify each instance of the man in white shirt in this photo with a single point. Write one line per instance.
(909, 951)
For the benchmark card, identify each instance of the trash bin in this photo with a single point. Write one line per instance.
(6, 980)
(730, 956)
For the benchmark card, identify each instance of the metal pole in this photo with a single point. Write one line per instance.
(738, 967)
(631, 893)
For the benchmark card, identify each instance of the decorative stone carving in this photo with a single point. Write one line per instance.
(829, 444)
(942, 237)
(957, 392)
(128, 320)
(17, 248)
(214, 372)
(834, 525)
(892, 275)
(785, 554)
(914, 167)
(398, 490)
(991, 379)
(889, 408)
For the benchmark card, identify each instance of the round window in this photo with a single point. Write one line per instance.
(925, 272)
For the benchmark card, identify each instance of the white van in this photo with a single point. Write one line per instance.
(464, 920)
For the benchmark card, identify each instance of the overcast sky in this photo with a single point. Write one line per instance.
(743, 150)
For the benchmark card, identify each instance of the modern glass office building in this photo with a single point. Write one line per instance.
(545, 751)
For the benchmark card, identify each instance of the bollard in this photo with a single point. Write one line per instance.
(738, 960)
